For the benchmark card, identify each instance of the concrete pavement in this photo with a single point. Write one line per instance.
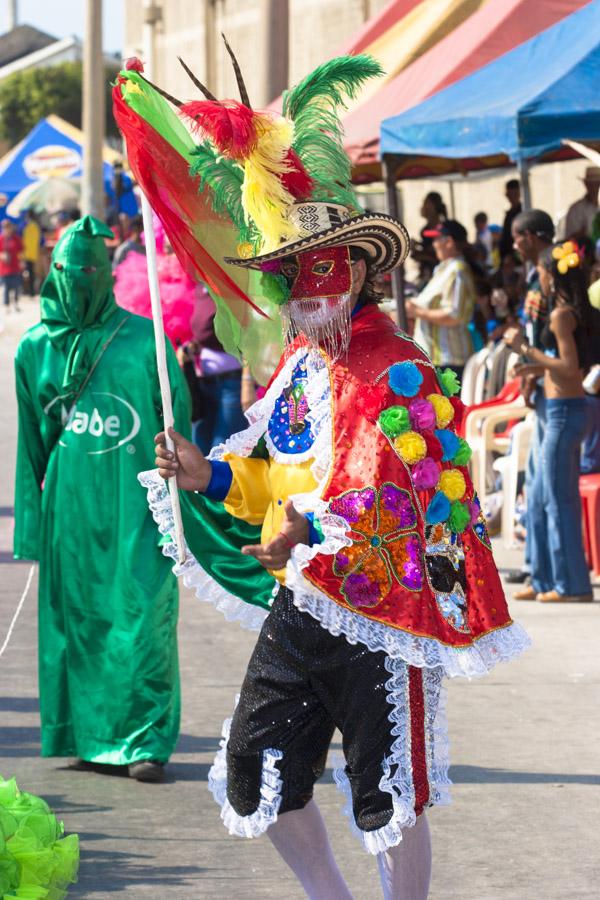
(524, 745)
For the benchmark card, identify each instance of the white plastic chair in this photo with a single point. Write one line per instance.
(480, 435)
(509, 467)
(473, 379)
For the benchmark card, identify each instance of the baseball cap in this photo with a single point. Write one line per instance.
(449, 228)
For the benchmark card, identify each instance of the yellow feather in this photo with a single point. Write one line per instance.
(264, 198)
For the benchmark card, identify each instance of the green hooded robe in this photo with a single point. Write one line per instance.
(89, 406)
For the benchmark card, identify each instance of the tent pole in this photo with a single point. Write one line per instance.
(523, 168)
(390, 166)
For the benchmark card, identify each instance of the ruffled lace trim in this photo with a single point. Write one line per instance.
(397, 778)
(270, 791)
(194, 576)
(477, 659)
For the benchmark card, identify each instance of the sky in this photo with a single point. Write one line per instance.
(63, 18)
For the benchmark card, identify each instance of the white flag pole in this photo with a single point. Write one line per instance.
(161, 361)
(151, 16)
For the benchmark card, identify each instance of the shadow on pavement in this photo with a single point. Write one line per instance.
(483, 775)
(109, 871)
(19, 741)
(19, 704)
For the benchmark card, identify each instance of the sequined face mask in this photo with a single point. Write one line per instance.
(319, 306)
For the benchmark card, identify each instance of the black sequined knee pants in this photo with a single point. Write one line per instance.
(303, 682)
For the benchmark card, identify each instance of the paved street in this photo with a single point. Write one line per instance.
(524, 743)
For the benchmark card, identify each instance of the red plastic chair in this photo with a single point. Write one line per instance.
(589, 491)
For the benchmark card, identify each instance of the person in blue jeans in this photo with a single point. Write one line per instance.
(559, 571)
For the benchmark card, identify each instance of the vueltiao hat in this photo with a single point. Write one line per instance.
(284, 180)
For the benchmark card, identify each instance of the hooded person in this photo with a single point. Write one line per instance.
(342, 521)
(89, 405)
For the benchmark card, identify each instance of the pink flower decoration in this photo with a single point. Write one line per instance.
(134, 64)
(474, 510)
(425, 474)
(422, 415)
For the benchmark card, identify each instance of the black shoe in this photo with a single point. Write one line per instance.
(147, 770)
(517, 576)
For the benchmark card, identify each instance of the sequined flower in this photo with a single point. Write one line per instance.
(453, 484)
(394, 421)
(410, 447)
(425, 474)
(422, 415)
(384, 550)
(444, 411)
(405, 379)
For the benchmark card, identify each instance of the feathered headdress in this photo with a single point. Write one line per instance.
(274, 181)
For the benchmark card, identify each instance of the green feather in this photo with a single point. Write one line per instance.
(314, 105)
(224, 179)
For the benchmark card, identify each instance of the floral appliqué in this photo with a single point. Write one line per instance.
(383, 549)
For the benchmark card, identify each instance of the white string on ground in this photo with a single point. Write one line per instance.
(17, 611)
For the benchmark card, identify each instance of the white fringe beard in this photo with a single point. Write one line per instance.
(327, 328)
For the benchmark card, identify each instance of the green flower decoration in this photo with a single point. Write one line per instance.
(449, 383)
(394, 421)
(463, 454)
(275, 288)
(459, 517)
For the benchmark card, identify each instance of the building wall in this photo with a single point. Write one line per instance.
(317, 29)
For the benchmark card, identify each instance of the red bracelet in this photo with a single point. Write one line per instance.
(287, 540)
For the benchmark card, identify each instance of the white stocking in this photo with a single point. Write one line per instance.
(405, 869)
(301, 840)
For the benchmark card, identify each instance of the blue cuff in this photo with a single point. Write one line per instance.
(220, 481)
(315, 532)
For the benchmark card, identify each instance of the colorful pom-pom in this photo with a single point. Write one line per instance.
(394, 421)
(434, 448)
(405, 379)
(463, 453)
(411, 447)
(450, 443)
(422, 415)
(425, 474)
(459, 411)
(438, 510)
(370, 401)
(453, 484)
(459, 518)
(444, 411)
(449, 382)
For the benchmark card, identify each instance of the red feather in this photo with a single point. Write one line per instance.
(230, 125)
(297, 181)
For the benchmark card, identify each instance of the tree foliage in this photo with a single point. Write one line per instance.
(31, 95)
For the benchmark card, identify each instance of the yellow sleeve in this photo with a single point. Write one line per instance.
(249, 496)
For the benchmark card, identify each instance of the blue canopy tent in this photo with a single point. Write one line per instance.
(518, 108)
(54, 149)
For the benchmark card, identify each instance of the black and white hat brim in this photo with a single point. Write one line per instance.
(385, 240)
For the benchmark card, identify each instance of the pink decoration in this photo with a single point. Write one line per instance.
(425, 474)
(177, 293)
(474, 510)
(422, 415)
